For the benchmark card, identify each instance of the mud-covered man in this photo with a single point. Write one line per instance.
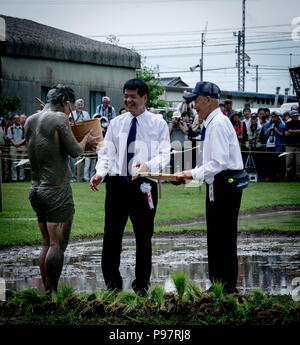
(50, 141)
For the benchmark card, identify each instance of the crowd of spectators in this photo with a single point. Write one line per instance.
(270, 139)
(12, 147)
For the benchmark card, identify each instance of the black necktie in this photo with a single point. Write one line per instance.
(130, 139)
(203, 133)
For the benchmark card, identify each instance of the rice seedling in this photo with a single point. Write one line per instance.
(157, 293)
(218, 289)
(180, 281)
(192, 290)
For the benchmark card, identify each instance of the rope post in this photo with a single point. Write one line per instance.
(78, 170)
(1, 181)
(159, 189)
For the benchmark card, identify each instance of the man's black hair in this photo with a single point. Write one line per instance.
(267, 109)
(185, 113)
(246, 108)
(259, 109)
(121, 110)
(59, 95)
(137, 84)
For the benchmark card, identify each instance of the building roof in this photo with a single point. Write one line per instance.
(172, 81)
(168, 83)
(31, 39)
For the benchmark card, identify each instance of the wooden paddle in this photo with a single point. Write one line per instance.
(40, 101)
(70, 108)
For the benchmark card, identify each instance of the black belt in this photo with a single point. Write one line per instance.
(226, 174)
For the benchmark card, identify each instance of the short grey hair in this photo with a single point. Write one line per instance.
(78, 101)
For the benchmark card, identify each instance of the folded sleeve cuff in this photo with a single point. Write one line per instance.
(198, 173)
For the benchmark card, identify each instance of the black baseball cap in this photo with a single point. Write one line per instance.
(203, 88)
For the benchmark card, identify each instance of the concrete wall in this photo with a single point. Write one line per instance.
(25, 77)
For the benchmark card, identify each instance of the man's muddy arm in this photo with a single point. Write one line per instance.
(67, 139)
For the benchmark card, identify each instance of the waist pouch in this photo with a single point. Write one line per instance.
(233, 179)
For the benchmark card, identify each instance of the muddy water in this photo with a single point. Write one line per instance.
(265, 263)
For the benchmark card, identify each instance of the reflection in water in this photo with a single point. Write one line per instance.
(268, 264)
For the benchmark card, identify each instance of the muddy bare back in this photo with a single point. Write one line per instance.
(50, 141)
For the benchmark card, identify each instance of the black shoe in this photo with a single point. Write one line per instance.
(231, 291)
(142, 293)
(114, 288)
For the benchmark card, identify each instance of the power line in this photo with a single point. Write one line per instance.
(226, 52)
(171, 33)
(209, 45)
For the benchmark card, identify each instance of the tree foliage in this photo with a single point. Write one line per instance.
(147, 74)
(9, 105)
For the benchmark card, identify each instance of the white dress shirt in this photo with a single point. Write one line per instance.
(221, 149)
(80, 116)
(152, 145)
(247, 122)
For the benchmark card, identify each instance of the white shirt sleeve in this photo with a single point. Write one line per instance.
(106, 155)
(162, 158)
(218, 155)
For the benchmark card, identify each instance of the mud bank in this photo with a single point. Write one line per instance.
(194, 308)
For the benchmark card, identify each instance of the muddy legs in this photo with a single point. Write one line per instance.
(55, 241)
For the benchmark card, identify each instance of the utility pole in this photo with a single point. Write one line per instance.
(256, 78)
(201, 60)
(243, 48)
(291, 83)
(202, 46)
(240, 50)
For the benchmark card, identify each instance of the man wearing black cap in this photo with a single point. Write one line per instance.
(292, 133)
(222, 160)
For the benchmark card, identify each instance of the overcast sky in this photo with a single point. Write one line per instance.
(151, 26)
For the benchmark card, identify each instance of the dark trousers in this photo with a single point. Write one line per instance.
(125, 199)
(221, 218)
(272, 164)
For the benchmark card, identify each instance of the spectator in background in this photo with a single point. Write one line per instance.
(261, 121)
(241, 133)
(122, 111)
(247, 118)
(153, 111)
(186, 119)
(187, 107)
(274, 137)
(286, 116)
(15, 134)
(183, 105)
(295, 107)
(222, 108)
(7, 162)
(292, 133)
(105, 109)
(177, 129)
(268, 114)
(228, 107)
(79, 115)
(255, 144)
(239, 127)
(104, 125)
(23, 119)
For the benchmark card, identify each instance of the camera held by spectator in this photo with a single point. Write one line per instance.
(176, 117)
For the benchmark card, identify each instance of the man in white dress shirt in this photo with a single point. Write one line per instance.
(222, 160)
(136, 141)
